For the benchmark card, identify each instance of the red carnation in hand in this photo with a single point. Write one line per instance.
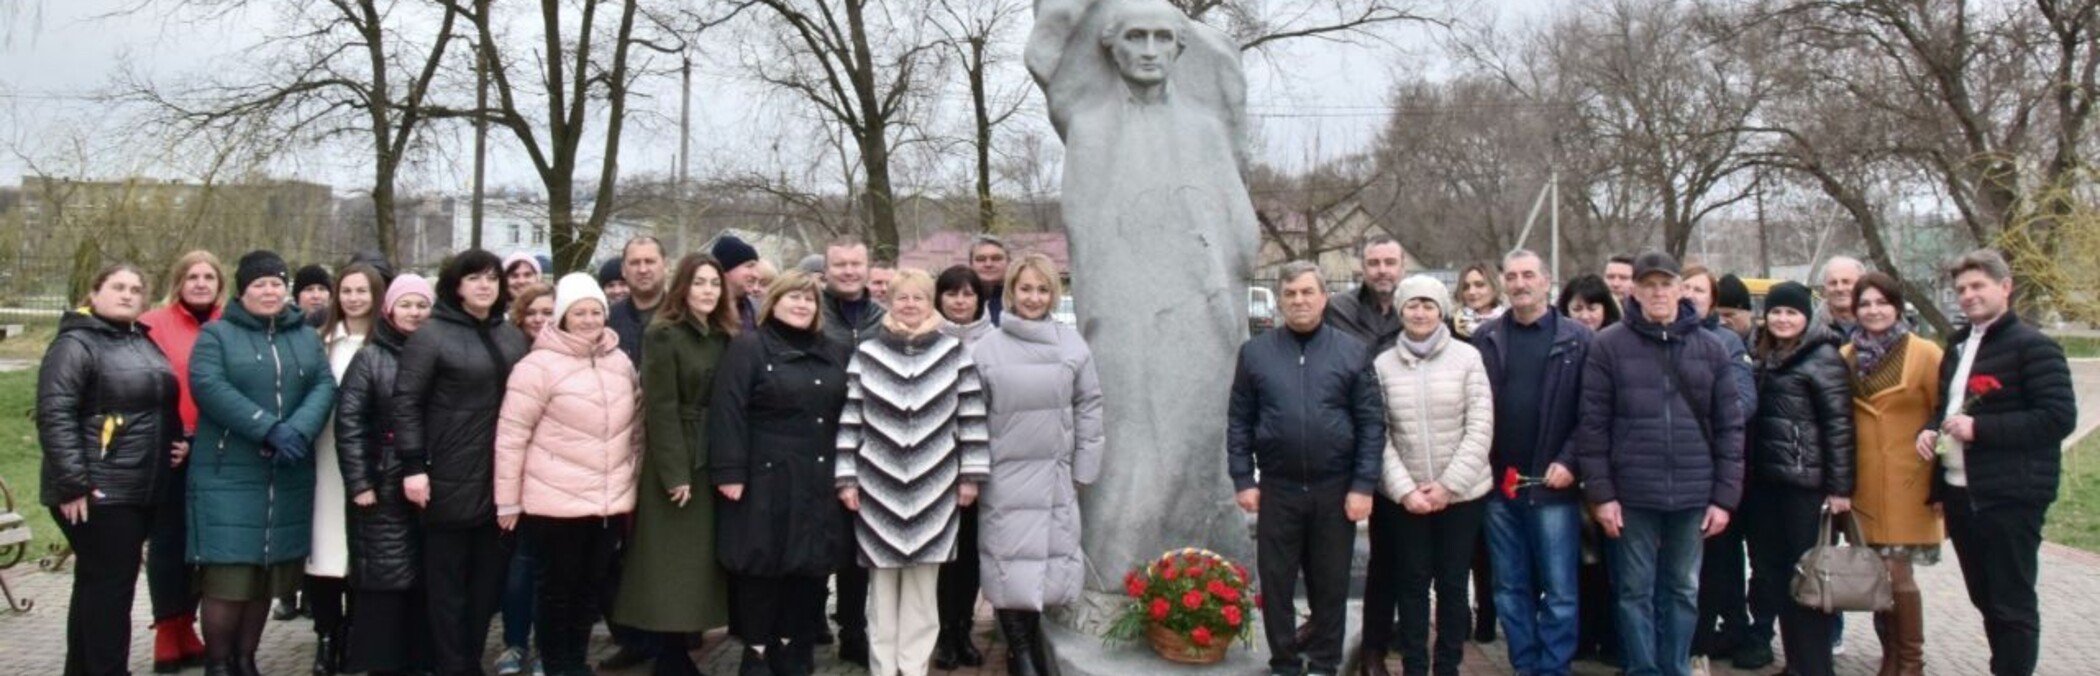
(1159, 609)
(1201, 636)
(1192, 600)
(1982, 385)
(1510, 479)
(1232, 616)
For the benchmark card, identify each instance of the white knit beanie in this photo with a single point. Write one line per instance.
(1424, 287)
(576, 286)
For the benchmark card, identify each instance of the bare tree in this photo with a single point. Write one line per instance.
(1986, 107)
(974, 30)
(1258, 25)
(341, 70)
(861, 64)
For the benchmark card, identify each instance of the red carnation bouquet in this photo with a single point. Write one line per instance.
(1512, 482)
(1979, 387)
(1194, 593)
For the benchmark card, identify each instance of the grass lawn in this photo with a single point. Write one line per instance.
(21, 458)
(2079, 347)
(2075, 518)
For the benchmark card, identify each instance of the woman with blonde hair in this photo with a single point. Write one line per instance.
(771, 430)
(1043, 400)
(1479, 299)
(196, 295)
(908, 486)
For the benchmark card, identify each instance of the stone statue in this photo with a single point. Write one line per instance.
(1151, 108)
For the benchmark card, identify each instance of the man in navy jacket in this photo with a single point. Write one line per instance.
(1661, 448)
(1305, 439)
(1534, 363)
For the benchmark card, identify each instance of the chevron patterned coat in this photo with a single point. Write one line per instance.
(912, 430)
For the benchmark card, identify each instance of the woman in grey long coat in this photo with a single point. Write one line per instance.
(1045, 423)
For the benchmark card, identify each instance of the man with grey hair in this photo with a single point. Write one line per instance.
(1368, 313)
(1307, 478)
(1998, 449)
(1840, 274)
(988, 258)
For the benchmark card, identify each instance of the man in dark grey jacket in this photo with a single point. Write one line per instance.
(851, 315)
(1661, 451)
(1305, 437)
(1368, 313)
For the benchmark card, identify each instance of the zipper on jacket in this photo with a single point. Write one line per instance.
(1670, 398)
(1422, 407)
(270, 486)
(1304, 463)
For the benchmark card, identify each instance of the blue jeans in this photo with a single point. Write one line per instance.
(1655, 567)
(1536, 549)
(518, 597)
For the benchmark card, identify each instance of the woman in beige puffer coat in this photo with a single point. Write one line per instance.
(1439, 420)
(567, 459)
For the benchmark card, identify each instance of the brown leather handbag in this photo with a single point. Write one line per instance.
(1833, 577)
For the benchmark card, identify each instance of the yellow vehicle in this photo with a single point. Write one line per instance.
(1758, 288)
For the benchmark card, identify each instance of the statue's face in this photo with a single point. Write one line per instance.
(1145, 48)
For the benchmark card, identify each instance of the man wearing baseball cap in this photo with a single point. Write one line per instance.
(1660, 448)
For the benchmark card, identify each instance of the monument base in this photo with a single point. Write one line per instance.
(1072, 653)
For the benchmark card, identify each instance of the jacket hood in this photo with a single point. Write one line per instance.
(238, 314)
(554, 339)
(446, 311)
(385, 335)
(1042, 331)
(84, 319)
(1686, 322)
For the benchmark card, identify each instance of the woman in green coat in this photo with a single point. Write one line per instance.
(263, 390)
(673, 584)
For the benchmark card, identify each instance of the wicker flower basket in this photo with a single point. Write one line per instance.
(1176, 647)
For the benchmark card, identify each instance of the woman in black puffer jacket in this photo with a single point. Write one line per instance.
(1800, 462)
(446, 396)
(389, 632)
(106, 416)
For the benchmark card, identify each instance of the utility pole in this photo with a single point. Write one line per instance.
(685, 147)
(1764, 236)
(481, 124)
(1553, 219)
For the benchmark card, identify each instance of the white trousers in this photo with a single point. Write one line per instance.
(903, 619)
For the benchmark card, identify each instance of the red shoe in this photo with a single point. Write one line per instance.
(192, 645)
(167, 647)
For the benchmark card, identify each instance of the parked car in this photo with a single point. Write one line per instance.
(1261, 310)
(1064, 314)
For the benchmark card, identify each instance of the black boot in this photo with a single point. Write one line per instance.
(853, 645)
(944, 650)
(754, 664)
(230, 667)
(966, 653)
(325, 657)
(1020, 643)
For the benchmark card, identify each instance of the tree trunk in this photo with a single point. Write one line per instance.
(987, 210)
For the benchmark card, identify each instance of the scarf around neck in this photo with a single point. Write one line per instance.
(1422, 349)
(1871, 351)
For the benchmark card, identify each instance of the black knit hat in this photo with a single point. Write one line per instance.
(312, 275)
(1791, 295)
(256, 265)
(609, 272)
(733, 252)
(1730, 292)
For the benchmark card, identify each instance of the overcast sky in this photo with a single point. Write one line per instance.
(1311, 100)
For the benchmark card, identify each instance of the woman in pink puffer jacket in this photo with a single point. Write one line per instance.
(566, 460)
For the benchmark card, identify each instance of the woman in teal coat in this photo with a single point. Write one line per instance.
(263, 391)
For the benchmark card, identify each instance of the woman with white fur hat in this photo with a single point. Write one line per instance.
(1439, 417)
(566, 462)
